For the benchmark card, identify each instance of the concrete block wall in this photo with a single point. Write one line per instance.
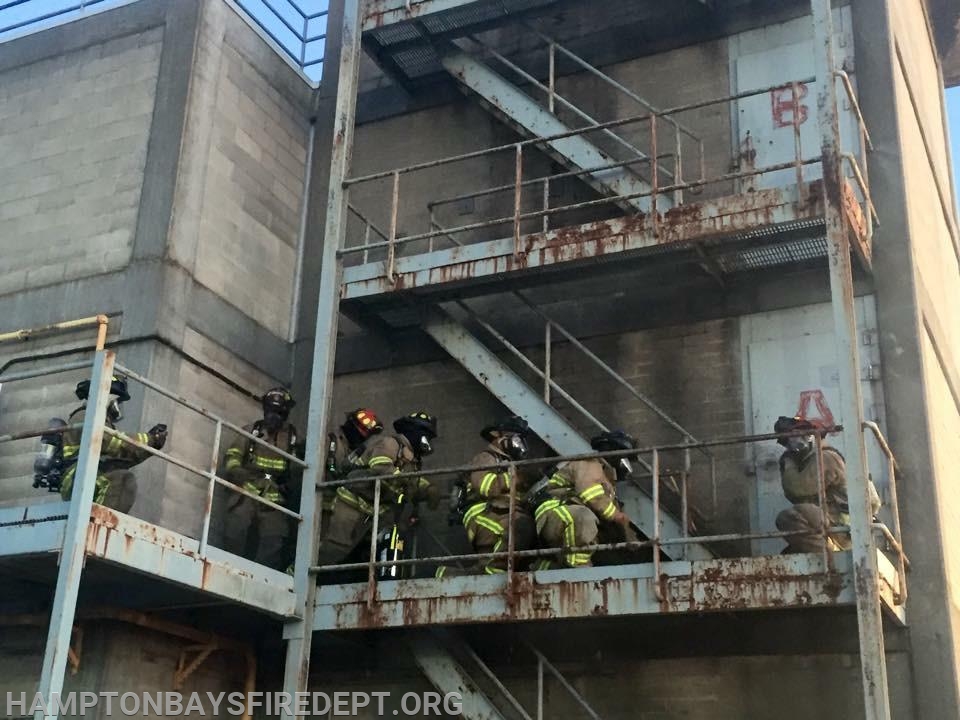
(73, 141)
(154, 171)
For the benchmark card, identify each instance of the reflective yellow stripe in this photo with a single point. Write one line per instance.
(114, 444)
(610, 511)
(493, 570)
(70, 450)
(233, 463)
(488, 480)
(491, 525)
(558, 481)
(440, 572)
(143, 438)
(545, 507)
(594, 491)
(380, 460)
(473, 511)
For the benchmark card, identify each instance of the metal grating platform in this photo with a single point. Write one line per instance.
(401, 39)
(739, 233)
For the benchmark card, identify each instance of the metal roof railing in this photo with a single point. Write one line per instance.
(298, 28)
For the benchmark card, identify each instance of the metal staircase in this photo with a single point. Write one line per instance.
(547, 422)
(445, 656)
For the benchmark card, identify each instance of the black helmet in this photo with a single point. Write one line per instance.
(613, 440)
(509, 435)
(360, 425)
(793, 424)
(419, 428)
(279, 400)
(617, 440)
(118, 387)
(419, 422)
(513, 425)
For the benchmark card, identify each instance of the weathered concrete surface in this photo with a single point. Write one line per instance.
(916, 274)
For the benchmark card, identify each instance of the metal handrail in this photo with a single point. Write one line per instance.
(656, 542)
(892, 468)
(130, 374)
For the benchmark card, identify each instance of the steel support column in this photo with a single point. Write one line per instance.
(300, 632)
(75, 535)
(865, 568)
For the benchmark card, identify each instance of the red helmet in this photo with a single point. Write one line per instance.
(365, 422)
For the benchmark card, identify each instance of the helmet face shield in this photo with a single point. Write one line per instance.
(423, 446)
(514, 446)
(114, 411)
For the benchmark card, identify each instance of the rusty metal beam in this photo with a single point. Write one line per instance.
(712, 220)
(783, 581)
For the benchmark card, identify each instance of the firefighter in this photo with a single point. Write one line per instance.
(485, 501)
(386, 454)
(359, 426)
(252, 529)
(577, 497)
(798, 475)
(116, 486)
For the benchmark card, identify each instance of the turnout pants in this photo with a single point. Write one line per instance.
(567, 526)
(486, 528)
(255, 531)
(810, 520)
(343, 529)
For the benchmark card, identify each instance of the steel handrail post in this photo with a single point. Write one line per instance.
(211, 485)
(74, 548)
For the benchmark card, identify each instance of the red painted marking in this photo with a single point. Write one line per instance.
(824, 415)
(784, 110)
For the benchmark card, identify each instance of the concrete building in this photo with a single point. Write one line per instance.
(683, 219)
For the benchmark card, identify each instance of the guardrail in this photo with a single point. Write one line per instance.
(97, 395)
(655, 544)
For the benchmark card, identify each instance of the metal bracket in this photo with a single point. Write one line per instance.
(184, 668)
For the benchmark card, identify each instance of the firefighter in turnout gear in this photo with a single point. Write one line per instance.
(116, 486)
(577, 497)
(485, 501)
(798, 475)
(252, 529)
(385, 454)
(358, 427)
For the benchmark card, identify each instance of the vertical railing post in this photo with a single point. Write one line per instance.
(366, 242)
(553, 77)
(678, 167)
(511, 535)
(211, 486)
(655, 537)
(897, 534)
(517, 199)
(394, 212)
(822, 502)
(685, 500)
(546, 204)
(654, 176)
(547, 360)
(866, 578)
(797, 146)
(539, 687)
(374, 530)
(74, 548)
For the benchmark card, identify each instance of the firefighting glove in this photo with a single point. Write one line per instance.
(158, 436)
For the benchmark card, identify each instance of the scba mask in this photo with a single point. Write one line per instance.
(514, 446)
(114, 410)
